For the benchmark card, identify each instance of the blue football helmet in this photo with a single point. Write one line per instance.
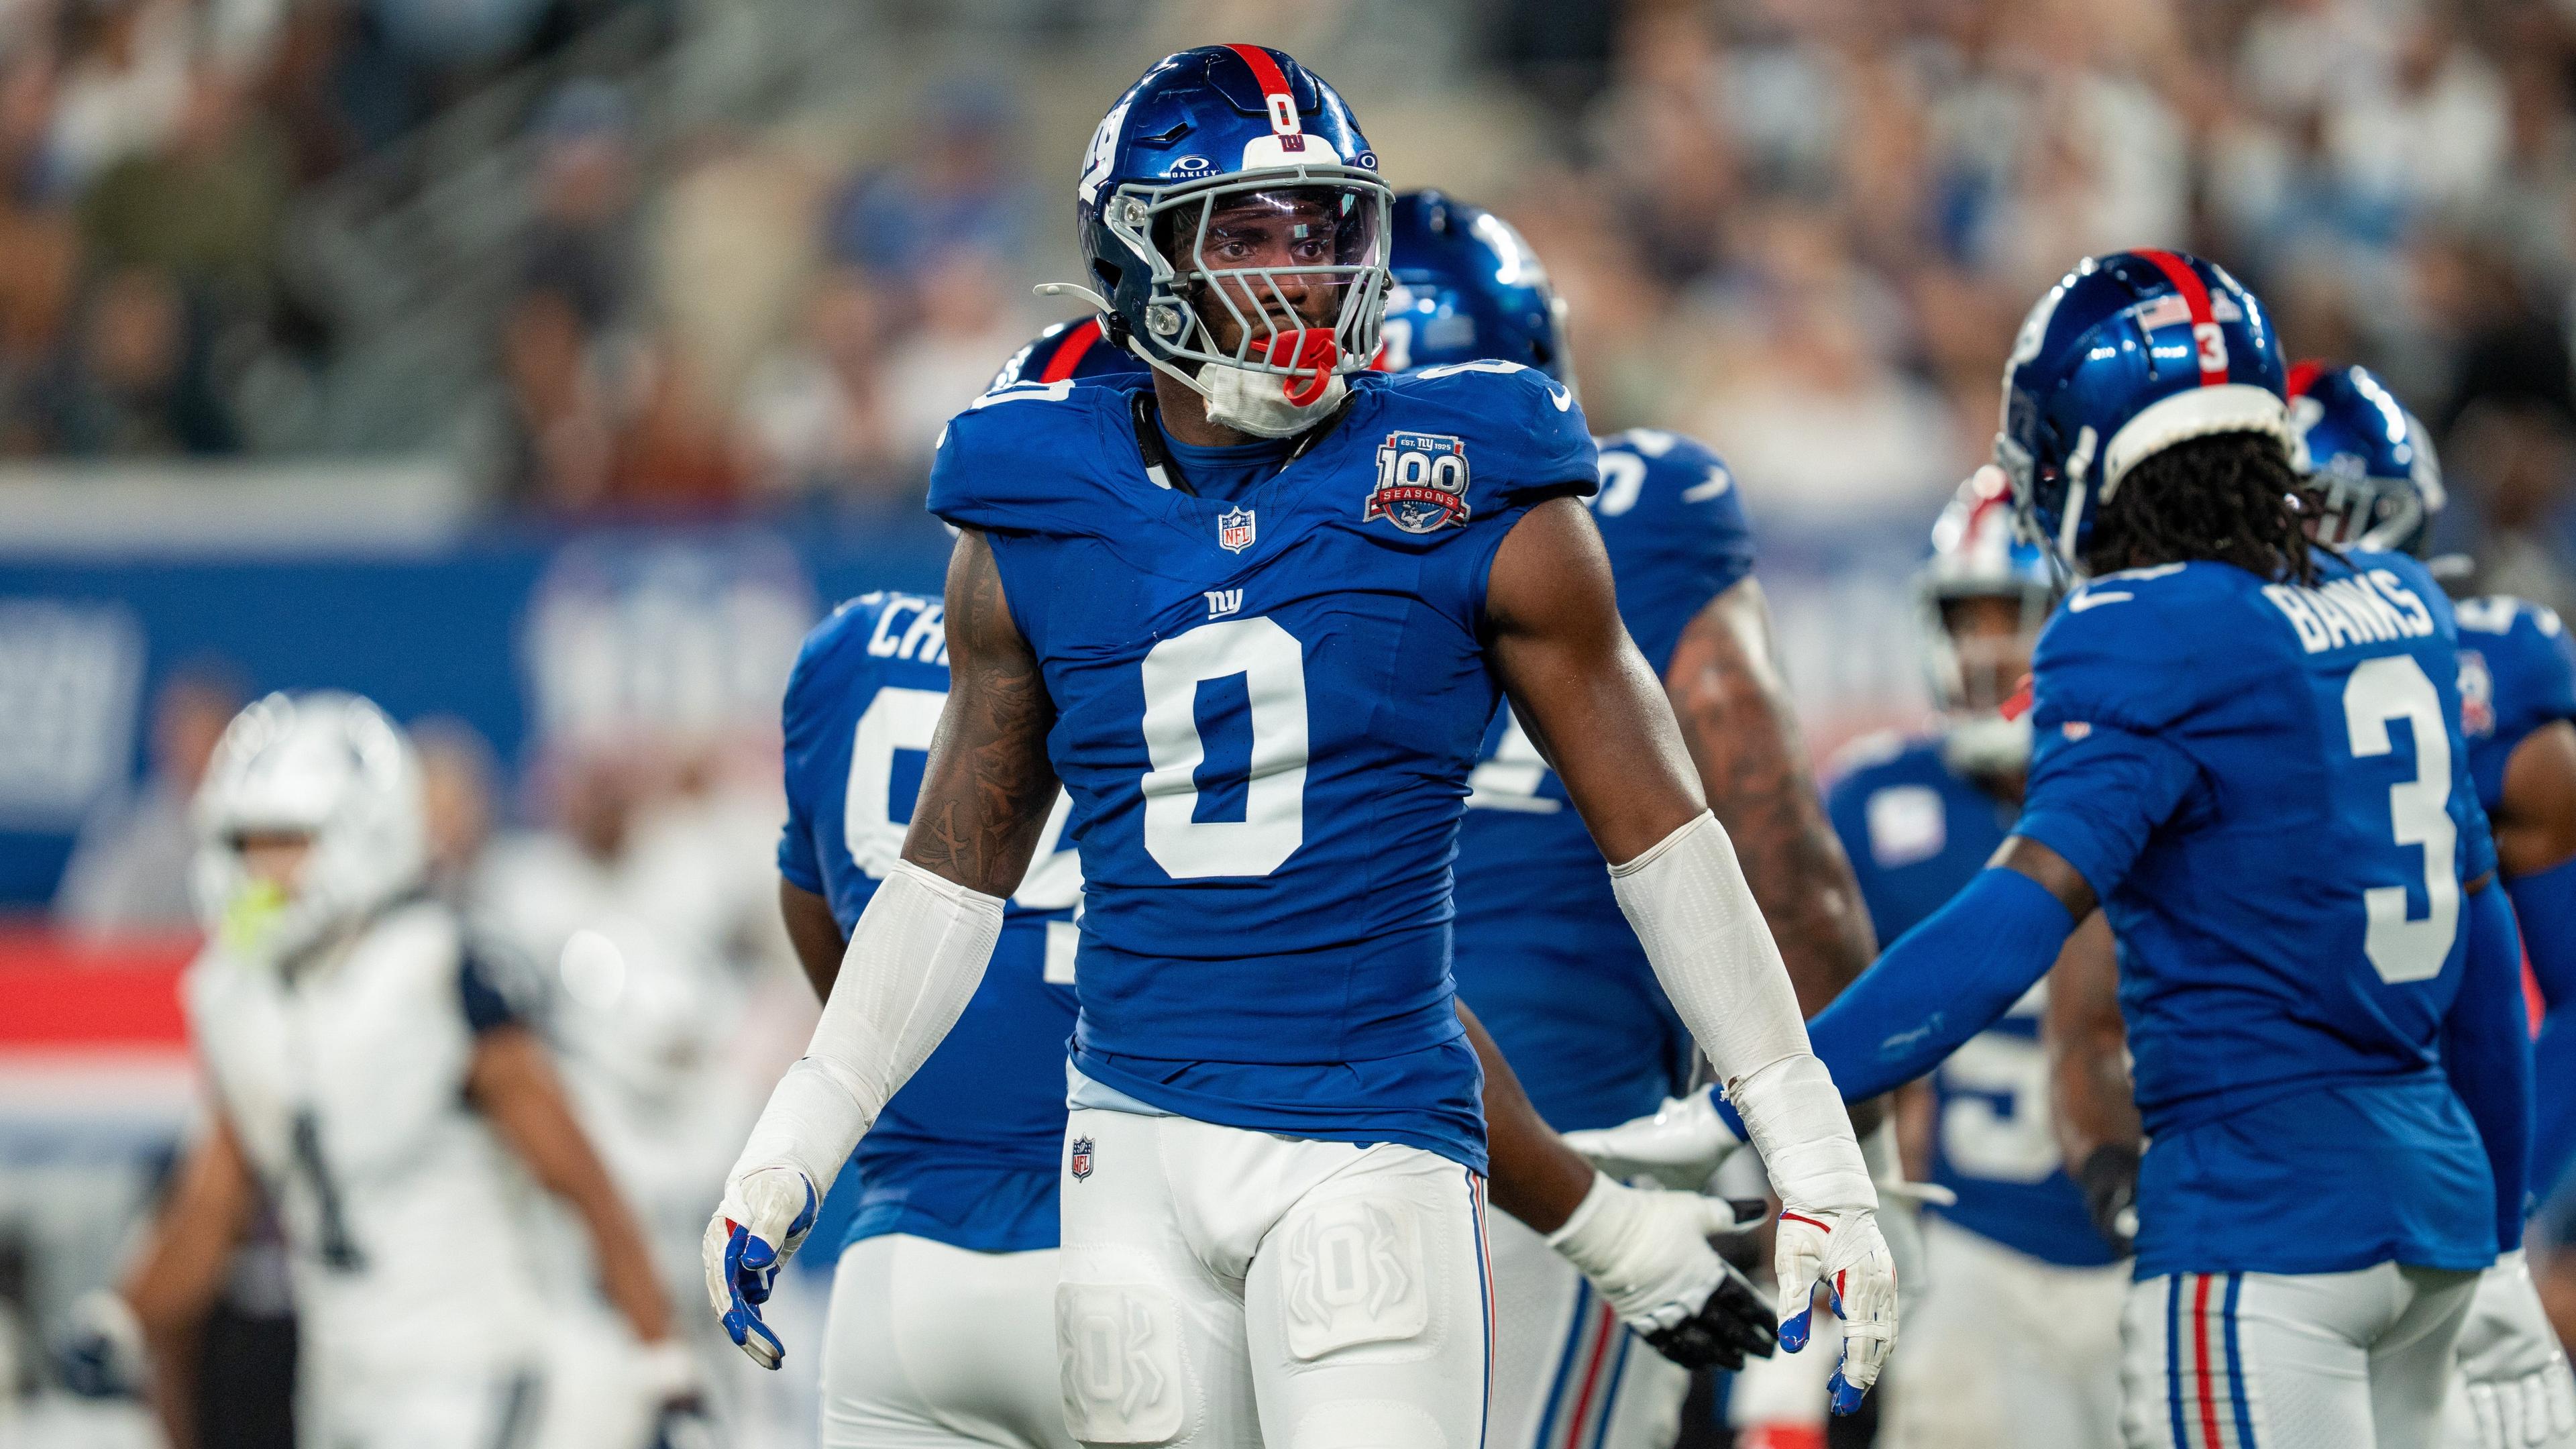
(1230, 192)
(2369, 456)
(1467, 288)
(1078, 350)
(2127, 355)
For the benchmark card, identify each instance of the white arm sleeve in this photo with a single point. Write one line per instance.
(1717, 962)
(915, 959)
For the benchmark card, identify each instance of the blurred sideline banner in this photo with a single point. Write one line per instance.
(533, 637)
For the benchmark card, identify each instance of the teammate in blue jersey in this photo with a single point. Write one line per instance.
(942, 1304)
(1541, 949)
(1255, 615)
(2245, 753)
(1067, 352)
(2018, 1341)
(2380, 486)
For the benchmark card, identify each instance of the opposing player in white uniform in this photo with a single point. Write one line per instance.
(366, 1074)
(1255, 616)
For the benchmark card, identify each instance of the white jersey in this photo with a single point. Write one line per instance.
(406, 1216)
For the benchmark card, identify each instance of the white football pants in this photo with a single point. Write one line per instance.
(2006, 1351)
(2356, 1360)
(1567, 1373)
(431, 1409)
(930, 1345)
(1223, 1287)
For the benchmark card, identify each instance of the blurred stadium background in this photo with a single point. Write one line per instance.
(542, 368)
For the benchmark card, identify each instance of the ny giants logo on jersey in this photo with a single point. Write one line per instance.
(1421, 482)
(1081, 1159)
(1234, 530)
(2477, 695)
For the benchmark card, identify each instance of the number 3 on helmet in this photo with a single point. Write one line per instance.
(2126, 356)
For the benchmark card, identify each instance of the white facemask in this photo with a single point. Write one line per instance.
(1257, 402)
(1987, 745)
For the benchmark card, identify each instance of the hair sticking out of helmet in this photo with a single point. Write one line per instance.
(1467, 288)
(2378, 481)
(2128, 355)
(1233, 218)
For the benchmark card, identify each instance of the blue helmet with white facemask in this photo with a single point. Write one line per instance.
(1235, 227)
(1467, 288)
(2371, 459)
(2126, 356)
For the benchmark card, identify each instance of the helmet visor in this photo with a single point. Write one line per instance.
(1263, 275)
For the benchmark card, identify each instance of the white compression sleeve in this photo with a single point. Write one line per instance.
(915, 959)
(1694, 914)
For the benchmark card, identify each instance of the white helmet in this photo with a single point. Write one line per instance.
(326, 765)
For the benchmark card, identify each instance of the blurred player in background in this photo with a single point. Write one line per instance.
(1236, 1114)
(369, 1075)
(2018, 1343)
(2379, 487)
(1541, 949)
(2246, 753)
(942, 1327)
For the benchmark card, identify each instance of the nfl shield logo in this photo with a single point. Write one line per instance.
(1081, 1158)
(1234, 530)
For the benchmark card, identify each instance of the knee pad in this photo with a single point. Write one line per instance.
(1356, 1272)
(1124, 1375)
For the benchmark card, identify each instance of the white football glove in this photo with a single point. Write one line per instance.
(1844, 1253)
(1681, 1146)
(1647, 1251)
(2512, 1371)
(764, 1217)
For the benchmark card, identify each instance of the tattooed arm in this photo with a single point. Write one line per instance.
(1727, 691)
(915, 957)
(988, 787)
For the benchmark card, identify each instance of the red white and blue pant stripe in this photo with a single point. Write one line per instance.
(1585, 1390)
(2206, 1397)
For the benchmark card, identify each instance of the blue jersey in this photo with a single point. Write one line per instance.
(1543, 953)
(2517, 673)
(1916, 831)
(966, 1153)
(2266, 786)
(1079, 350)
(1266, 708)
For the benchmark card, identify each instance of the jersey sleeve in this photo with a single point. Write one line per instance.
(1006, 465)
(2106, 767)
(799, 720)
(1673, 521)
(2537, 681)
(482, 994)
(1524, 435)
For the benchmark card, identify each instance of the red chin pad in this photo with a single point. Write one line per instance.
(1310, 353)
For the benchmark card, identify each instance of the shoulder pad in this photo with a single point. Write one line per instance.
(1675, 463)
(1523, 430)
(2135, 647)
(1024, 458)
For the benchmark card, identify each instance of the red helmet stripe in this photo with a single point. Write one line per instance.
(2303, 375)
(1266, 74)
(1068, 356)
(2195, 295)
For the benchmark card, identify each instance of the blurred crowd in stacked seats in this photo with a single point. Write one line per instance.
(1803, 228)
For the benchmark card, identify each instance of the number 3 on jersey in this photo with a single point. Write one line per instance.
(2394, 688)
(1273, 666)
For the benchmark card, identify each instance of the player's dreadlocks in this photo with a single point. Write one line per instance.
(2229, 497)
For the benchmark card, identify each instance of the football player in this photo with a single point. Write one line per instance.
(1253, 614)
(2380, 486)
(2246, 753)
(370, 1078)
(942, 1321)
(2018, 1341)
(1541, 949)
